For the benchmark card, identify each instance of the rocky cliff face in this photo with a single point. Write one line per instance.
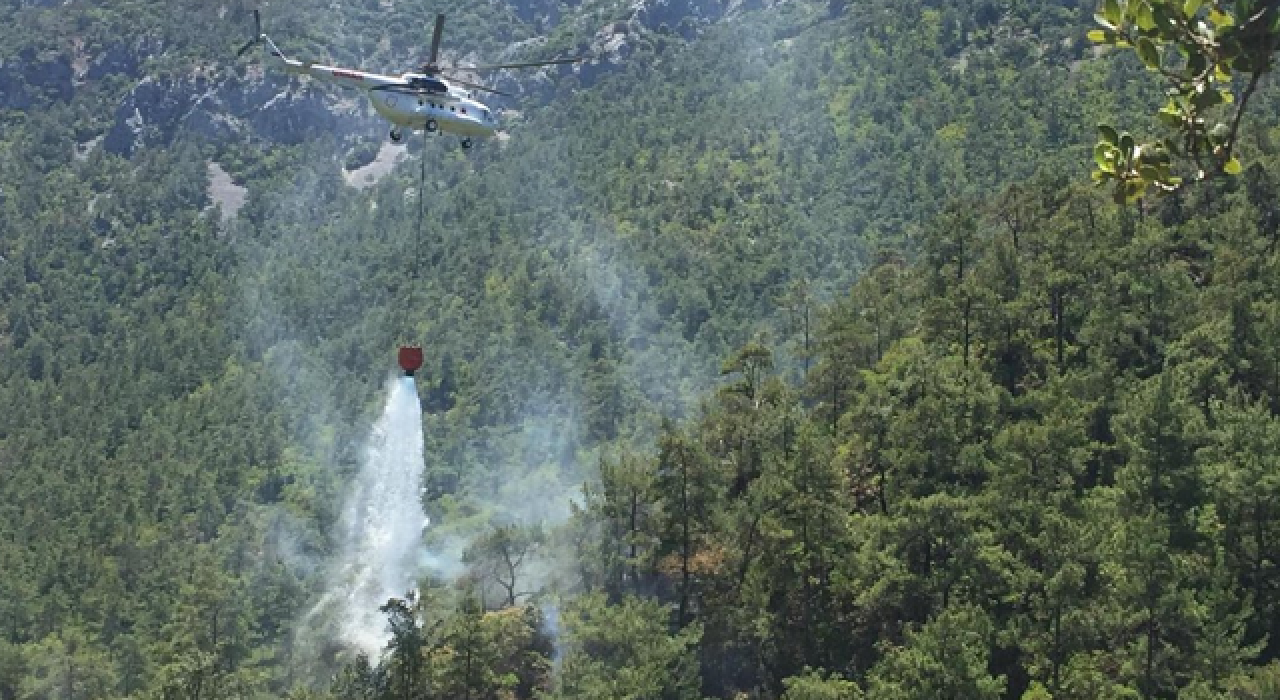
(117, 59)
(217, 105)
(683, 16)
(615, 42)
(155, 111)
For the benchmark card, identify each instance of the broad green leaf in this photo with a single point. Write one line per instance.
(1143, 16)
(1108, 133)
(1098, 36)
(1231, 167)
(1148, 52)
(1126, 146)
(1112, 12)
(1220, 20)
(1102, 155)
(1191, 7)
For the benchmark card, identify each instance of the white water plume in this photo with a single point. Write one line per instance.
(384, 522)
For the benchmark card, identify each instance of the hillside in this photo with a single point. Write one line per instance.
(781, 346)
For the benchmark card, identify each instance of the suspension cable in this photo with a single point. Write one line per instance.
(422, 198)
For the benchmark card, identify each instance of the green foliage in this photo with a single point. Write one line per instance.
(625, 651)
(938, 423)
(500, 558)
(945, 658)
(813, 686)
(1210, 55)
(1051, 494)
(467, 653)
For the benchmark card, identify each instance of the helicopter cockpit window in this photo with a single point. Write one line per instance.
(429, 84)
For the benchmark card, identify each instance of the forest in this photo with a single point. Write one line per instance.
(794, 356)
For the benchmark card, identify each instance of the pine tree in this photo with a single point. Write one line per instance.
(946, 659)
(689, 490)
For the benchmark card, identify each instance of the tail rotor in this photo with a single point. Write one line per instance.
(258, 36)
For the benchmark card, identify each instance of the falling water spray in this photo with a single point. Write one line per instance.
(384, 521)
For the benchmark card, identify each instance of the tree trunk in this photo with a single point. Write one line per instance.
(633, 526)
(685, 543)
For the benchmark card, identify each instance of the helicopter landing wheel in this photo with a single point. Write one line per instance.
(466, 143)
(396, 136)
(431, 126)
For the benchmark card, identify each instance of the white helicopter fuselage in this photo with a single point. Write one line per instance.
(453, 111)
(411, 101)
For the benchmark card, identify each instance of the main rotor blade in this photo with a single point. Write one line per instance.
(475, 86)
(529, 64)
(435, 40)
(245, 49)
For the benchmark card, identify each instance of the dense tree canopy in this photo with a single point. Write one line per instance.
(791, 357)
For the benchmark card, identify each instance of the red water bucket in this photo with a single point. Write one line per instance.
(410, 359)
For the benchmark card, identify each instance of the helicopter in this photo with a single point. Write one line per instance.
(428, 100)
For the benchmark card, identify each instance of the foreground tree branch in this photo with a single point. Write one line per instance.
(1203, 50)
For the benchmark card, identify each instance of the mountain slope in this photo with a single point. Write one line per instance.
(189, 397)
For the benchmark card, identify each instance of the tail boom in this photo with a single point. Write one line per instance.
(344, 77)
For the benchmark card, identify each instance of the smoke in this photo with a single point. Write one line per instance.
(665, 371)
(551, 628)
(532, 483)
(356, 539)
(533, 464)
